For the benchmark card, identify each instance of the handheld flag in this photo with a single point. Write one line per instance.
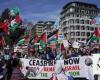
(44, 37)
(22, 41)
(52, 39)
(95, 36)
(36, 39)
(14, 11)
(5, 26)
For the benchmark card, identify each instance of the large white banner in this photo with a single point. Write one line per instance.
(43, 69)
(96, 64)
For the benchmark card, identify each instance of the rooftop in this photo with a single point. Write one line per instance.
(80, 3)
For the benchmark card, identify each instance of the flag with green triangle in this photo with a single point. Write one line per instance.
(14, 11)
(15, 23)
(52, 39)
(43, 40)
(22, 41)
(44, 37)
(95, 36)
(42, 44)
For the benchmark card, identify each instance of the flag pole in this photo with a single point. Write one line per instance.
(46, 37)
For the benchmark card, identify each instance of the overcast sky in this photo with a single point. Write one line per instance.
(35, 10)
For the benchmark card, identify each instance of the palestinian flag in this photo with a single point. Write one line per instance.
(44, 37)
(14, 11)
(95, 36)
(43, 41)
(18, 19)
(52, 43)
(22, 41)
(52, 39)
(15, 23)
(42, 44)
(4, 26)
(53, 35)
(36, 39)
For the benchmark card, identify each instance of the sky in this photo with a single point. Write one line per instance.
(36, 10)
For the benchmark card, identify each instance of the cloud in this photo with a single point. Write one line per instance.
(41, 16)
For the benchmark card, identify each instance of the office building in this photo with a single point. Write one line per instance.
(40, 27)
(75, 20)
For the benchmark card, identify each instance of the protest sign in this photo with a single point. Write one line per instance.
(96, 64)
(44, 69)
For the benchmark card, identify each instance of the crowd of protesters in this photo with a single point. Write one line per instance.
(10, 64)
(10, 67)
(60, 54)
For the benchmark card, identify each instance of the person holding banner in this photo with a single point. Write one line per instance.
(49, 54)
(54, 77)
(60, 71)
(59, 56)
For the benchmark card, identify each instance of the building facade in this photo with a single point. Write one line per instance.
(75, 20)
(40, 27)
(27, 26)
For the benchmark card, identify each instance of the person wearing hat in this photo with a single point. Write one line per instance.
(74, 50)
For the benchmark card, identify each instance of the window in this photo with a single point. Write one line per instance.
(82, 39)
(82, 21)
(82, 27)
(71, 9)
(87, 28)
(92, 29)
(90, 12)
(82, 11)
(82, 33)
(87, 21)
(77, 33)
(72, 27)
(82, 16)
(88, 33)
(77, 10)
(71, 15)
(71, 21)
(64, 23)
(77, 27)
(87, 12)
(77, 21)
(78, 39)
(72, 33)
(93, 12)
(77, 15)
